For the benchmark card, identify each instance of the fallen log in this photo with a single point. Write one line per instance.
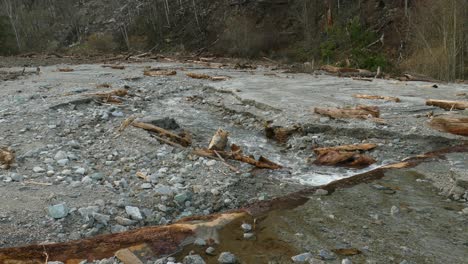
(158, 72)
(236, 154)
(183, 140)
(347, 72)
(377, 97)
(349, 148)
(7, 157)
(206, 77)
(345, 159)
(451, 124)
(448, 105)
(417, 78)
(65, 70)
(109, 97)
(361, 111)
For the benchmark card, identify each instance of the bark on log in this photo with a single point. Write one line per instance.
(349, 148)
(362, 112)
(183, 140)
(451, 124)
(155, 73)
(448, 105)
(344, 158)
(377, 97)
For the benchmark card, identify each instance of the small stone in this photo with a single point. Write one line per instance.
(58, 211)
(181, 197)
(320, 192)
(162, 207)
(163, 190)
(326, 255)
(117, 114)
(133, 212)
(210, 251)
(302, 258)
(394, 211)
(87, 212)
(80, 171)
(97, 176)
(227, 258)
(118, 229)
(465, 211)
(346, 261)
(38, 170)
(86, 180)
(199, 242)
(246, 227)
(60, 155)
(249, 236)
(124, 221)
(193, 259)
(16, 177)
(146, 186)
(101, 218)
(211, 163)
(63, 162)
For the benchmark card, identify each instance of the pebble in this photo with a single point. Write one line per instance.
(118, 229)
(346, 261)
(97, 176)
(246, 227)
(320, 192)
(101, 218)
(60, 155)
(193, 259)
(227, 258)
(199, 242)
(16, 177)
(163, 190)
(133, 212)
(80, 171)
(38, 170)
(63, 162)
(87, 180)
(181, 197)
(249, 235)
(394, 211)
(302, 258)
(58, 211)
(211, 163)
(326, 255)
(124, 221)
(210, 251)
(87, 212)
(117, 114)
(146, 186)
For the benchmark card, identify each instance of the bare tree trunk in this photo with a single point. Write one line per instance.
(196, 14)
(9, 11)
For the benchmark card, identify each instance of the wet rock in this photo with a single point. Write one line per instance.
(210, 251)
(133, 212)
(118, 229)
(227, 258)
(124, 221)
(87, 212)
(199, 242)
(38, 169)
(193, 259)
(101, 218)
(326, 255)
(246, 227)
(302, 258)
(58, 211)
(346, 261)
(320, 192)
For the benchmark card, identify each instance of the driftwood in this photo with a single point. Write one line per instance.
(65, 70)
(281, 134)
(7, 157)
(349, 148)
(448, 105)
(377, 97)
(347, 72)
(219, 140)
(417, 77)
(158, 72)
(103, 85)
(206, 77)
(183, 140)
(361, 111)
(109, 97)
(451, 124)
(344, 158)
(236, 154)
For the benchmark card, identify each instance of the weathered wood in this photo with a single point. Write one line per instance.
(65, 70)
(362, 112)
(448, 105)
(184, 141)
(377, 97)
(451, 124)
(350, 148)
(157, 72)
(198, 76)
(127, 257)
(7, 157)
(344, 158)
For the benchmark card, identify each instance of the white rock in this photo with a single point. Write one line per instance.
(133, 212)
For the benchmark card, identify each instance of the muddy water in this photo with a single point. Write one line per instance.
(426, 228)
